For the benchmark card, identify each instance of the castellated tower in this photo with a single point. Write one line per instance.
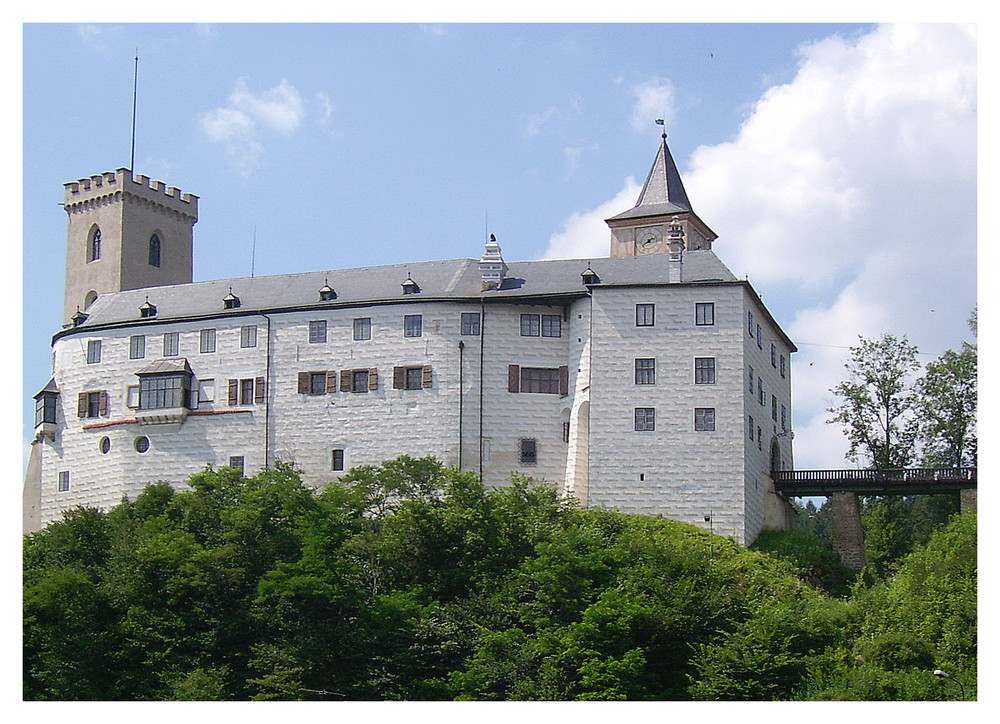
(125, 232)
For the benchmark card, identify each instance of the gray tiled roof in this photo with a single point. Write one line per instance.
(449, 279)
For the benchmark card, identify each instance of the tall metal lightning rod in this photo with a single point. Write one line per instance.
(135, 86)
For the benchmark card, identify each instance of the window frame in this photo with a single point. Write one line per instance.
(207, 341)
(317, 331)
(707, 419)
(94, 244)
(137, 346)
(645, 314)
(46, 406)
(154, 250)
(93, 351)
(471, 324)
(362, 329)
(645, 374)
(63, 483)
(337, 459)
(700, 316)
(645, 419)
(541, 380)
(248, 336)
(531, 325)
(171, 344)
(551, 325)
(413, 325)
(704, 371)
(165, 391)
(527, 448)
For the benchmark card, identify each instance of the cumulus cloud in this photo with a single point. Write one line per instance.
(848, 196)
(246, 115)
(584, 234)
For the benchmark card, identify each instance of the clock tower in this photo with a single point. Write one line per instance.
(661, 214)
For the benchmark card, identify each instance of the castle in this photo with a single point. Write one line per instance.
(652, 381)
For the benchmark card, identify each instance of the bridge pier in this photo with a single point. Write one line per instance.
(848, 535)
(968, 500)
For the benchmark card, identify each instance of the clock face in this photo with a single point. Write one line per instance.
(647, 240)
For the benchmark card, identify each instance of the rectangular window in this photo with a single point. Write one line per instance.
(774, 408)
(337, 459)
(531, 325)
(645, 419)
(645, 371)
(45, 409)
(760, 444)
(704, 370)
(784, 419)
(774, 356)
(750, 323)
(359, 381)
(246, 392)
(363, 328)
(565, 431)
(157, 392)
(132, 396)
(750, 378)
(317, 383)
(92, 404)
(236, 461)
(704, 313)
(704, 419)
(528, 451)
(644, 315)
(171, 344)
(137, 346)
(541, 380)
(761, 395)
(551, 325)
(207, 341)
(470, 323)
(750, 427)
(93, 351)
(414, 378)
(317, 331)
(781, 366)
(63, 481)
(760, 343)
(248, 336)
(413, 325)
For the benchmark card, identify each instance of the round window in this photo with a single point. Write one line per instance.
(141, 444)
(105, 444)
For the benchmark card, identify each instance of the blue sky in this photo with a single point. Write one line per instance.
(838, 163)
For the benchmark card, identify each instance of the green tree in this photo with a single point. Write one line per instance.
(877, 402)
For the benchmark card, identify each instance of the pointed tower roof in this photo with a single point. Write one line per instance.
(663, 192)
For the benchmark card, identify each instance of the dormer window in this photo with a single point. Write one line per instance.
(154, 251)
(147, 310)
(46, 403)
(231, 301)
(410, 286)
(326, 292)
(590, 276)
(78, 318)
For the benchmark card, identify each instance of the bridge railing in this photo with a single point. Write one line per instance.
(900, 480)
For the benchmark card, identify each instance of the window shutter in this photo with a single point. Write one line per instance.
(81, 405)
(428, 377)
(331, 382)
(563, 381)
(372, 379)
(398, 378)
(303, 383)
(258, 390)
(103, 404)
(513, 378)
(234, 392)
(345, 380)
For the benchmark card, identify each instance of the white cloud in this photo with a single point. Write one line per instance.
(239, 123)
(848, 196)
(654, 99)
(584, 234)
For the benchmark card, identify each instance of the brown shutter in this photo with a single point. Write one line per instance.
(103, 403)
(513, 378)
(331, 382)
(398, 378)
(234, 392)
(563, 381)
(81, 405)
(372, 379)
(304, 383)
(428, 377)
(346, 380)
(258, 390)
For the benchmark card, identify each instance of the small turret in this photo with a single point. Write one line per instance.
(492, 266)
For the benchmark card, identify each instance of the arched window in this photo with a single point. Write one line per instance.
(154, 251)
(94, 248)
(89, 299)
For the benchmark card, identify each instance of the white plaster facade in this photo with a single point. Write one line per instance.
(534, 372)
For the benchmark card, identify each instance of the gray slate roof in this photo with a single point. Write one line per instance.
(449, 279)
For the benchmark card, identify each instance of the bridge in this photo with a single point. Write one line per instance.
(843, 487)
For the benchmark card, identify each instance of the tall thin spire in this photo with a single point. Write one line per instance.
(135, 88)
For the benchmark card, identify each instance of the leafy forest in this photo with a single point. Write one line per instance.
(411, 581)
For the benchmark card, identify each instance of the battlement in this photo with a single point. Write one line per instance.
(121, 181)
